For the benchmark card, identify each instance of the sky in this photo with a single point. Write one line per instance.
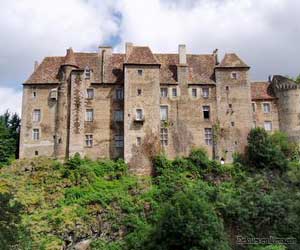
(264, 33)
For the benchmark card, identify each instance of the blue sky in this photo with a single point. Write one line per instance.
(265, 33)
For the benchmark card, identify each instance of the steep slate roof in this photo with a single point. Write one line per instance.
(141, 55)
(231, 60)
(200, 67)
(261, 91)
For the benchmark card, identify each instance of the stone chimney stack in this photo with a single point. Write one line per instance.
(128, 48)
(182, 54)
(36, 64)
(215, 53)
(182, 69)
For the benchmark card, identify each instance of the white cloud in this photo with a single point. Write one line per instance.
(11, 100)
(265, 33)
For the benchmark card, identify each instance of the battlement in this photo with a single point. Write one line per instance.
(279, 83)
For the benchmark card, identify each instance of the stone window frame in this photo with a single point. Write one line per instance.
(139, 92)
(164, 137)
(119, 141)
(254, 106)
(119, 93)
(36, 134)
(87, 117)
(176, 92)
(88, 91)
(138, 141)
(35, 115)
(208, 136)
(206, 116)
(87, 73)
(203, 95)
(194, 93)
(165, 91)
(271, 125)
(34, 93)
(267, 104)
(160, 108)
(140, 72)
(137, 118)
(234, 75)
(89, 140)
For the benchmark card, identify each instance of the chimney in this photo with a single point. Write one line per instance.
(182, 54)
(106, 50)
(215, 53)
(36, 64)
(128, 48)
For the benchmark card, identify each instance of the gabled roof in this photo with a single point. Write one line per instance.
(141, 55)
(231, 60)
(261, 91)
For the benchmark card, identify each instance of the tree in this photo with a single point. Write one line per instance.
(263, 153)
(9, 137)
(188, 221)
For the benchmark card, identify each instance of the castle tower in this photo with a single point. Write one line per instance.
(62, 128)
(141, 107)
(288, 94)
(234, 113)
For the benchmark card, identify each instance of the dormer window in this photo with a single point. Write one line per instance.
(87, 73)
(234, 75)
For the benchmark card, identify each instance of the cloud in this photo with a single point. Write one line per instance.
(265, 33)
(33, 29)
(10, 100)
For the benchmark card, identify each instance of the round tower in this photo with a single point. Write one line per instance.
(288, 93)
(61, 144)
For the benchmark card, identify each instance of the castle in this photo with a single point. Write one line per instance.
(136, 104)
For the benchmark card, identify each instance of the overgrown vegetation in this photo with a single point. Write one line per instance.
(191, 202)
(9, 137)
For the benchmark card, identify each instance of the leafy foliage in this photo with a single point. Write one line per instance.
(191, 202)
(9, 137)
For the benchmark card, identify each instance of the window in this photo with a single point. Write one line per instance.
(34, 94)
(119, 94)
(36, 134)
(89, 140)
(89, 115)
(206, 112)
(208, 136)
(234, 75)
(163, 113)
(119, 115)
(139, 115)
(227, 88)
(164, 136)
(36, 153)
(232, 124)
(163, 92)
(205, 92)
(267, 107)
(36, 115)
(138, 141)
(174, 92)
(140, 72)
(139, 92)
(194, 92)
(87, 73)
(230, 105)
(253, 107)
(90, 93)
(268, 125)
(119, 141)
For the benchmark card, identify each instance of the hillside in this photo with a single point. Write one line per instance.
(191, 203)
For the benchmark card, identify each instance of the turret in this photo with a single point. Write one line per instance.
(288, 93)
